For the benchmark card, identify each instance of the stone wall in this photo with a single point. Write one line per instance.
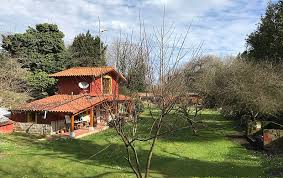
(32, 128)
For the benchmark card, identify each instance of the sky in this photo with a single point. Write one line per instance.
(221, 25)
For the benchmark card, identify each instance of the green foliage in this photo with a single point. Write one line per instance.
(42, 85)
(136, 81)
(87, 51)
(124, 90)
(266, 43)
(39, 48)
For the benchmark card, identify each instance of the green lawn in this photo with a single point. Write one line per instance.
(211, 154)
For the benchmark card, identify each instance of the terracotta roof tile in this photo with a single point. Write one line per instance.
(86, 71)
(67, 103)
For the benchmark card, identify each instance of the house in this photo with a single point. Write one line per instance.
(272, 136)
(6, 125)
(265, 134)
(146, 96)
(87, 97)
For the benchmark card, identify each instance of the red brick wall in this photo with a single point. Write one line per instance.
(67, 85)
(96, 85)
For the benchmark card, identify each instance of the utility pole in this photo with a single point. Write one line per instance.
(99, 35)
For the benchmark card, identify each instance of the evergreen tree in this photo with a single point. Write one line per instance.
(40, 48)
(266, 43)
(136, 81)
(87, 50)
(41, 84)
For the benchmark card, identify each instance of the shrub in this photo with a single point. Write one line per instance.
(239, 87)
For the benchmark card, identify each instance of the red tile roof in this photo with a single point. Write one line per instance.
(118, 98)
(86, 71)
(68, 103)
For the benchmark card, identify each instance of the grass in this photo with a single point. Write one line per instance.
(211, 154)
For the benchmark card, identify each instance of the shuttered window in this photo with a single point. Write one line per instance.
(106, 85)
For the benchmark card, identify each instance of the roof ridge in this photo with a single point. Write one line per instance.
(87, 71)
(77, 67)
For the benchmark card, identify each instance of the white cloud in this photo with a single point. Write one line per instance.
(116, 24)
(222, 24)
(159, 3)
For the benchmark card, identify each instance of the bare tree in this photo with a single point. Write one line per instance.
(13, 84)
(239, 87)
(165, 52)
(189, 109)
(131, 59)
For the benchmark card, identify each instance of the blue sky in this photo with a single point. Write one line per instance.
(222, 25)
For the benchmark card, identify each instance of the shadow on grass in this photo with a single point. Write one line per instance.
(174, 165)
(211, 127)
(111, 159)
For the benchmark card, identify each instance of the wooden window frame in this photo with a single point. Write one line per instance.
(110, 85)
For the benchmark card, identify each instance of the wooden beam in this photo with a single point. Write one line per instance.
(91, 118)
(129, 107)
(72, 123)
(82, 111)
(72, 127)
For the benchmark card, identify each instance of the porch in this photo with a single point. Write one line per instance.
(79, 133)
(73, 116)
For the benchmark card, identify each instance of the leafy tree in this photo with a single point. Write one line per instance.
(39, 48)
(266, 43)
(42, 85)
(87, 50)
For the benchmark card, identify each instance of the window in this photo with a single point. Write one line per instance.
(32, 117)
(106, 85)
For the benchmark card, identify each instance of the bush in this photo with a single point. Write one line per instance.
(239, 87)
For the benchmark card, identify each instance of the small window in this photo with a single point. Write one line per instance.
(106, 85)
(32, 117)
